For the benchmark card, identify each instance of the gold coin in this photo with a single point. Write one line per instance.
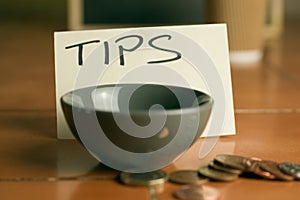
(187, 177)
(221, 167)
(216, 174)
(144, 179)
(233, 161)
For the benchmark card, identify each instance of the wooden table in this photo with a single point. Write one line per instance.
(36, 165)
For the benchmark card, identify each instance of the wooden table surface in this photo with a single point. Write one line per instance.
(36, 165)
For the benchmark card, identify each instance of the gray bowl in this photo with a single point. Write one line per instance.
(136, 127)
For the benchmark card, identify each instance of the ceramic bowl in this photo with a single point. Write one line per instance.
(136, 127)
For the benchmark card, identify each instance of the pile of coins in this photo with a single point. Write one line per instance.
(190, 191)
(223, 167)
(229, 167)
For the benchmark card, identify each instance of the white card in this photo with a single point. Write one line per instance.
(197, 53)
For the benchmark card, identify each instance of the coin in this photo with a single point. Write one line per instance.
(196, 192)
(187, 177)
(252, 165)
(273, 168)
(233, 161)
(189, 192)
(290, 169)
(216, 174)
(219, 166)
(145, 179)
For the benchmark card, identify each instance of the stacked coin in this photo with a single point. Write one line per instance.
(187, 177)
(226, 167)
(144, 179)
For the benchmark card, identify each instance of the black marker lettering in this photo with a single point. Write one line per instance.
(178, 54)
(80, 49)
(122, 49)
(106, 54)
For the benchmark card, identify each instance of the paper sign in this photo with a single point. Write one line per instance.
(198, 54)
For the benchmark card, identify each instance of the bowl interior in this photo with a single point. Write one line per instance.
(136, 98)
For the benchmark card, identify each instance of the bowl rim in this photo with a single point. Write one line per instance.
(205, 104)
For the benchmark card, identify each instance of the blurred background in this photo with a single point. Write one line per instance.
(118, 11)
(27, 27)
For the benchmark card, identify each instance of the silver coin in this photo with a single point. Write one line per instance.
(290, 169)
(216, 174)
(189, 192)
(196, 192)
(145, 179)
(187, 177)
